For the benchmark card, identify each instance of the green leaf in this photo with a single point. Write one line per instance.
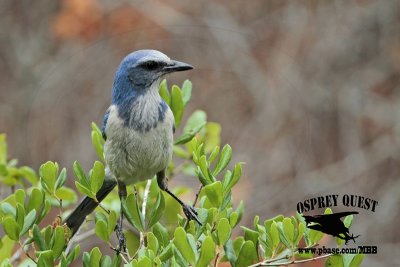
(207, 252)
(48, 174)
(20, 197)
(274, 234)
(62, 177)
(164, 93)
(105, 261)
(186, 91)
(212, 136)
(357, 260)
(45, 259)
(233, 219)
(214, 193)
(81, 174)
(334, 261)
(131, 209)
(198, 117)
(224, 159)
(182, 244)
(20, 215)
(167, 252)
(38, 238)
(59, 241)
(157, 212)
(240, 210)
(251, 235)
(214, 154)
(97, 177)
(161, 233)
(177, 105)
(84, 190)
(194, 124)
(300, 234)
(95, 257)
(145, 262)
(29, 174)
(152, 242)
(231, 179)
(36, 200)
(101, 230)
(203, 164)
(66, 194)
(28, 221)
(73, 255)
(247, 254)
(288, 229)
(223, 231)
(98, 144)
(6, 248)
(3, 149)
(95, 128)
(86, 259)
(8, 209)
(230, 252)
(112, 222)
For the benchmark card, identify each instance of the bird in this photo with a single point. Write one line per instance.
(138, 129)
(331, 224)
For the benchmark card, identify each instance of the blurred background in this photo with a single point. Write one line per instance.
(307, 92)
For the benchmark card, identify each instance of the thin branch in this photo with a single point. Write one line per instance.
(197, 195)
(144, 204)
(27, 253)
(273, 262)
(78, 237)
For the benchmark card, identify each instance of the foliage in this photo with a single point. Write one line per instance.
(154, 237)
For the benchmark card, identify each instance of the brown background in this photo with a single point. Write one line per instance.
(307, 92)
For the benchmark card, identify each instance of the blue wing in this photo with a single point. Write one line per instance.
(103, 128)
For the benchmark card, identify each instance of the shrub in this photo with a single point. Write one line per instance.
(157, 234)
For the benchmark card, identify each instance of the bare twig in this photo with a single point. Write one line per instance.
(144, 204)
(273, 262)
(77, 238)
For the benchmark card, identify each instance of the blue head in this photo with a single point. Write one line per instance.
(138, 72)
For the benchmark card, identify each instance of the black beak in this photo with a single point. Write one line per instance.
(177, 66)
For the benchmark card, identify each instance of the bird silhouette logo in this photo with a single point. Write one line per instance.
(331, 224)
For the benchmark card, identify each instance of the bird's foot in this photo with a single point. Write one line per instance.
(191, 213)
(121, 241)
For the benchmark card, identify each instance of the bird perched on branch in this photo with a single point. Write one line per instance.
(138, 128)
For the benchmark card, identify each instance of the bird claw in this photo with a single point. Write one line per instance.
(190, 213)
(121, 241)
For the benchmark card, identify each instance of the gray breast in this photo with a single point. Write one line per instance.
(139, 150)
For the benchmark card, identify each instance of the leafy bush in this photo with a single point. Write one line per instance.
(157, 234)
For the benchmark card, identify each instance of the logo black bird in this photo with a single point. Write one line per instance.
(331, 224)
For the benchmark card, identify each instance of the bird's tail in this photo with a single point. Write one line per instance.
(87, 205)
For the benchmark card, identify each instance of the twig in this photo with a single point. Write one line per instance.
(144, 204)
(216, 260)
(78, 237)
(102, 207)
(197, 195)
(27, 253)
(120, 253)
(16, 255)
(273, 262)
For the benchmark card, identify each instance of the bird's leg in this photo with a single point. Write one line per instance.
(189, 211)
(119, 231)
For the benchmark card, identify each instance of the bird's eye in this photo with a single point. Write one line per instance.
(151, 65)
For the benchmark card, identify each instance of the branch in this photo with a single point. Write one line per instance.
(273, 262)
(144, 204)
